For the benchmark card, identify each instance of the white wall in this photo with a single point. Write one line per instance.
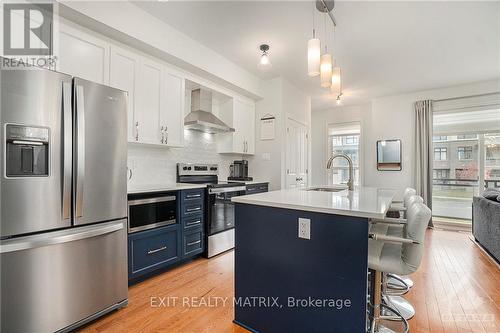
(389, 117)
(282, 100)
(262, 167)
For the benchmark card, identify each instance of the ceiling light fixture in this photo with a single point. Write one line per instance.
(336, 80)
(326, 65)
(264, 61)
(313, 53)
(330, 72)
(326, 70)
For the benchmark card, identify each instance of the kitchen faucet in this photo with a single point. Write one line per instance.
(350, 182)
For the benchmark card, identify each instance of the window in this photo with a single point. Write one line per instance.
(493, 153)
(440, 154)
(440, 138)
(441, 173)
(343, 139)
(465, 153)
(352, 139)
(466, 136)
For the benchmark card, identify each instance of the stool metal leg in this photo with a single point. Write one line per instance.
(398, 285)
(378, 308)
(404, 307)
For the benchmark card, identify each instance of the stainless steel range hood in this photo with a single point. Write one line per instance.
(201, 117)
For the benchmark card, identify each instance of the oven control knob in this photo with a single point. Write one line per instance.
(189, 168)
(185, 168)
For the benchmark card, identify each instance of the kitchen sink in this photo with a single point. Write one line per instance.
(327, 189)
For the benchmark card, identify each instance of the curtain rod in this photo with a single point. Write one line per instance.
(462, 97)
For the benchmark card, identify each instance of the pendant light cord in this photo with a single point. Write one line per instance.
(326, 36)
(314, 30)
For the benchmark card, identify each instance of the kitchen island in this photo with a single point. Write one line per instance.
(301, 258)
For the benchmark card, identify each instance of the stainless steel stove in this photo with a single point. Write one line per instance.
(219, 214)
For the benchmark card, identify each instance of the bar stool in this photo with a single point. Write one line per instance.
(399, 284)
(392, 292)
(399, 206)
(395, 255)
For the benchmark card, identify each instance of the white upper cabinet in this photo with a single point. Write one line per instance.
(83, 55)
(123, 74)
(158, 109)
(149, 103)
(241, 116)
(245, 122)
(172, 109)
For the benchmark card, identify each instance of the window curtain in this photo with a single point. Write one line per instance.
(423, 151)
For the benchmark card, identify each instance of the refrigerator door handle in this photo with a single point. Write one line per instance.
(58, 237)
(67, 151)
(80, 149)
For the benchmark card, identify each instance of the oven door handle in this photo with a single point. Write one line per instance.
(226, 189)
(151, 200)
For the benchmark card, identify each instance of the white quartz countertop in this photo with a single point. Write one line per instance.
(137, 189)
(368, 202)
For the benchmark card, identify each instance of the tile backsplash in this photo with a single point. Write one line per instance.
(156, 166)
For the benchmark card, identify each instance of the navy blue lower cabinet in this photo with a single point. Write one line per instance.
(153, 249)
(193, 242)
(284, 283)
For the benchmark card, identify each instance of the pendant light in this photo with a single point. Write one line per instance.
(336, 80)
(326, 66)
(336, 87)
(313, 53)
(326, 70)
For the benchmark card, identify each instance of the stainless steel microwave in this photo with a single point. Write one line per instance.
(151, 212)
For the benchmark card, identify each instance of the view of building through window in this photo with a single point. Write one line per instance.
(343, 139)
(457, 171)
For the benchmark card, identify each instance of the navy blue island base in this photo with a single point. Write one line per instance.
(287, 284)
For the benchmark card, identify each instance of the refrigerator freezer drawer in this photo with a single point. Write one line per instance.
(51, 281)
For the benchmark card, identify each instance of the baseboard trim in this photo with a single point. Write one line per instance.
(488, 254)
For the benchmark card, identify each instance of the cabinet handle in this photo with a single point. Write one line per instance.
(194, 243)
(192, 196)
(163, 248)
(136, 131)
(193, 222)
(193, 209)
(162, 136)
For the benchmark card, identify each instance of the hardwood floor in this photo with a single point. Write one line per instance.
(457, 289)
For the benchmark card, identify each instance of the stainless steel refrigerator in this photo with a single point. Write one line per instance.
(63, 195)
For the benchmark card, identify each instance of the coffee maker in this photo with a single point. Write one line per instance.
(239, 171)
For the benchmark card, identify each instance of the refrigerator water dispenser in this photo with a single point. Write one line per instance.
(27, 151)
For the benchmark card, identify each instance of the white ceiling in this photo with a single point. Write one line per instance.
(384, 48)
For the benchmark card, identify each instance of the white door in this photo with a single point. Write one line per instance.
(83, 55)
(148, 107)
(296, 154)
(123, 73)
(172, 113)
